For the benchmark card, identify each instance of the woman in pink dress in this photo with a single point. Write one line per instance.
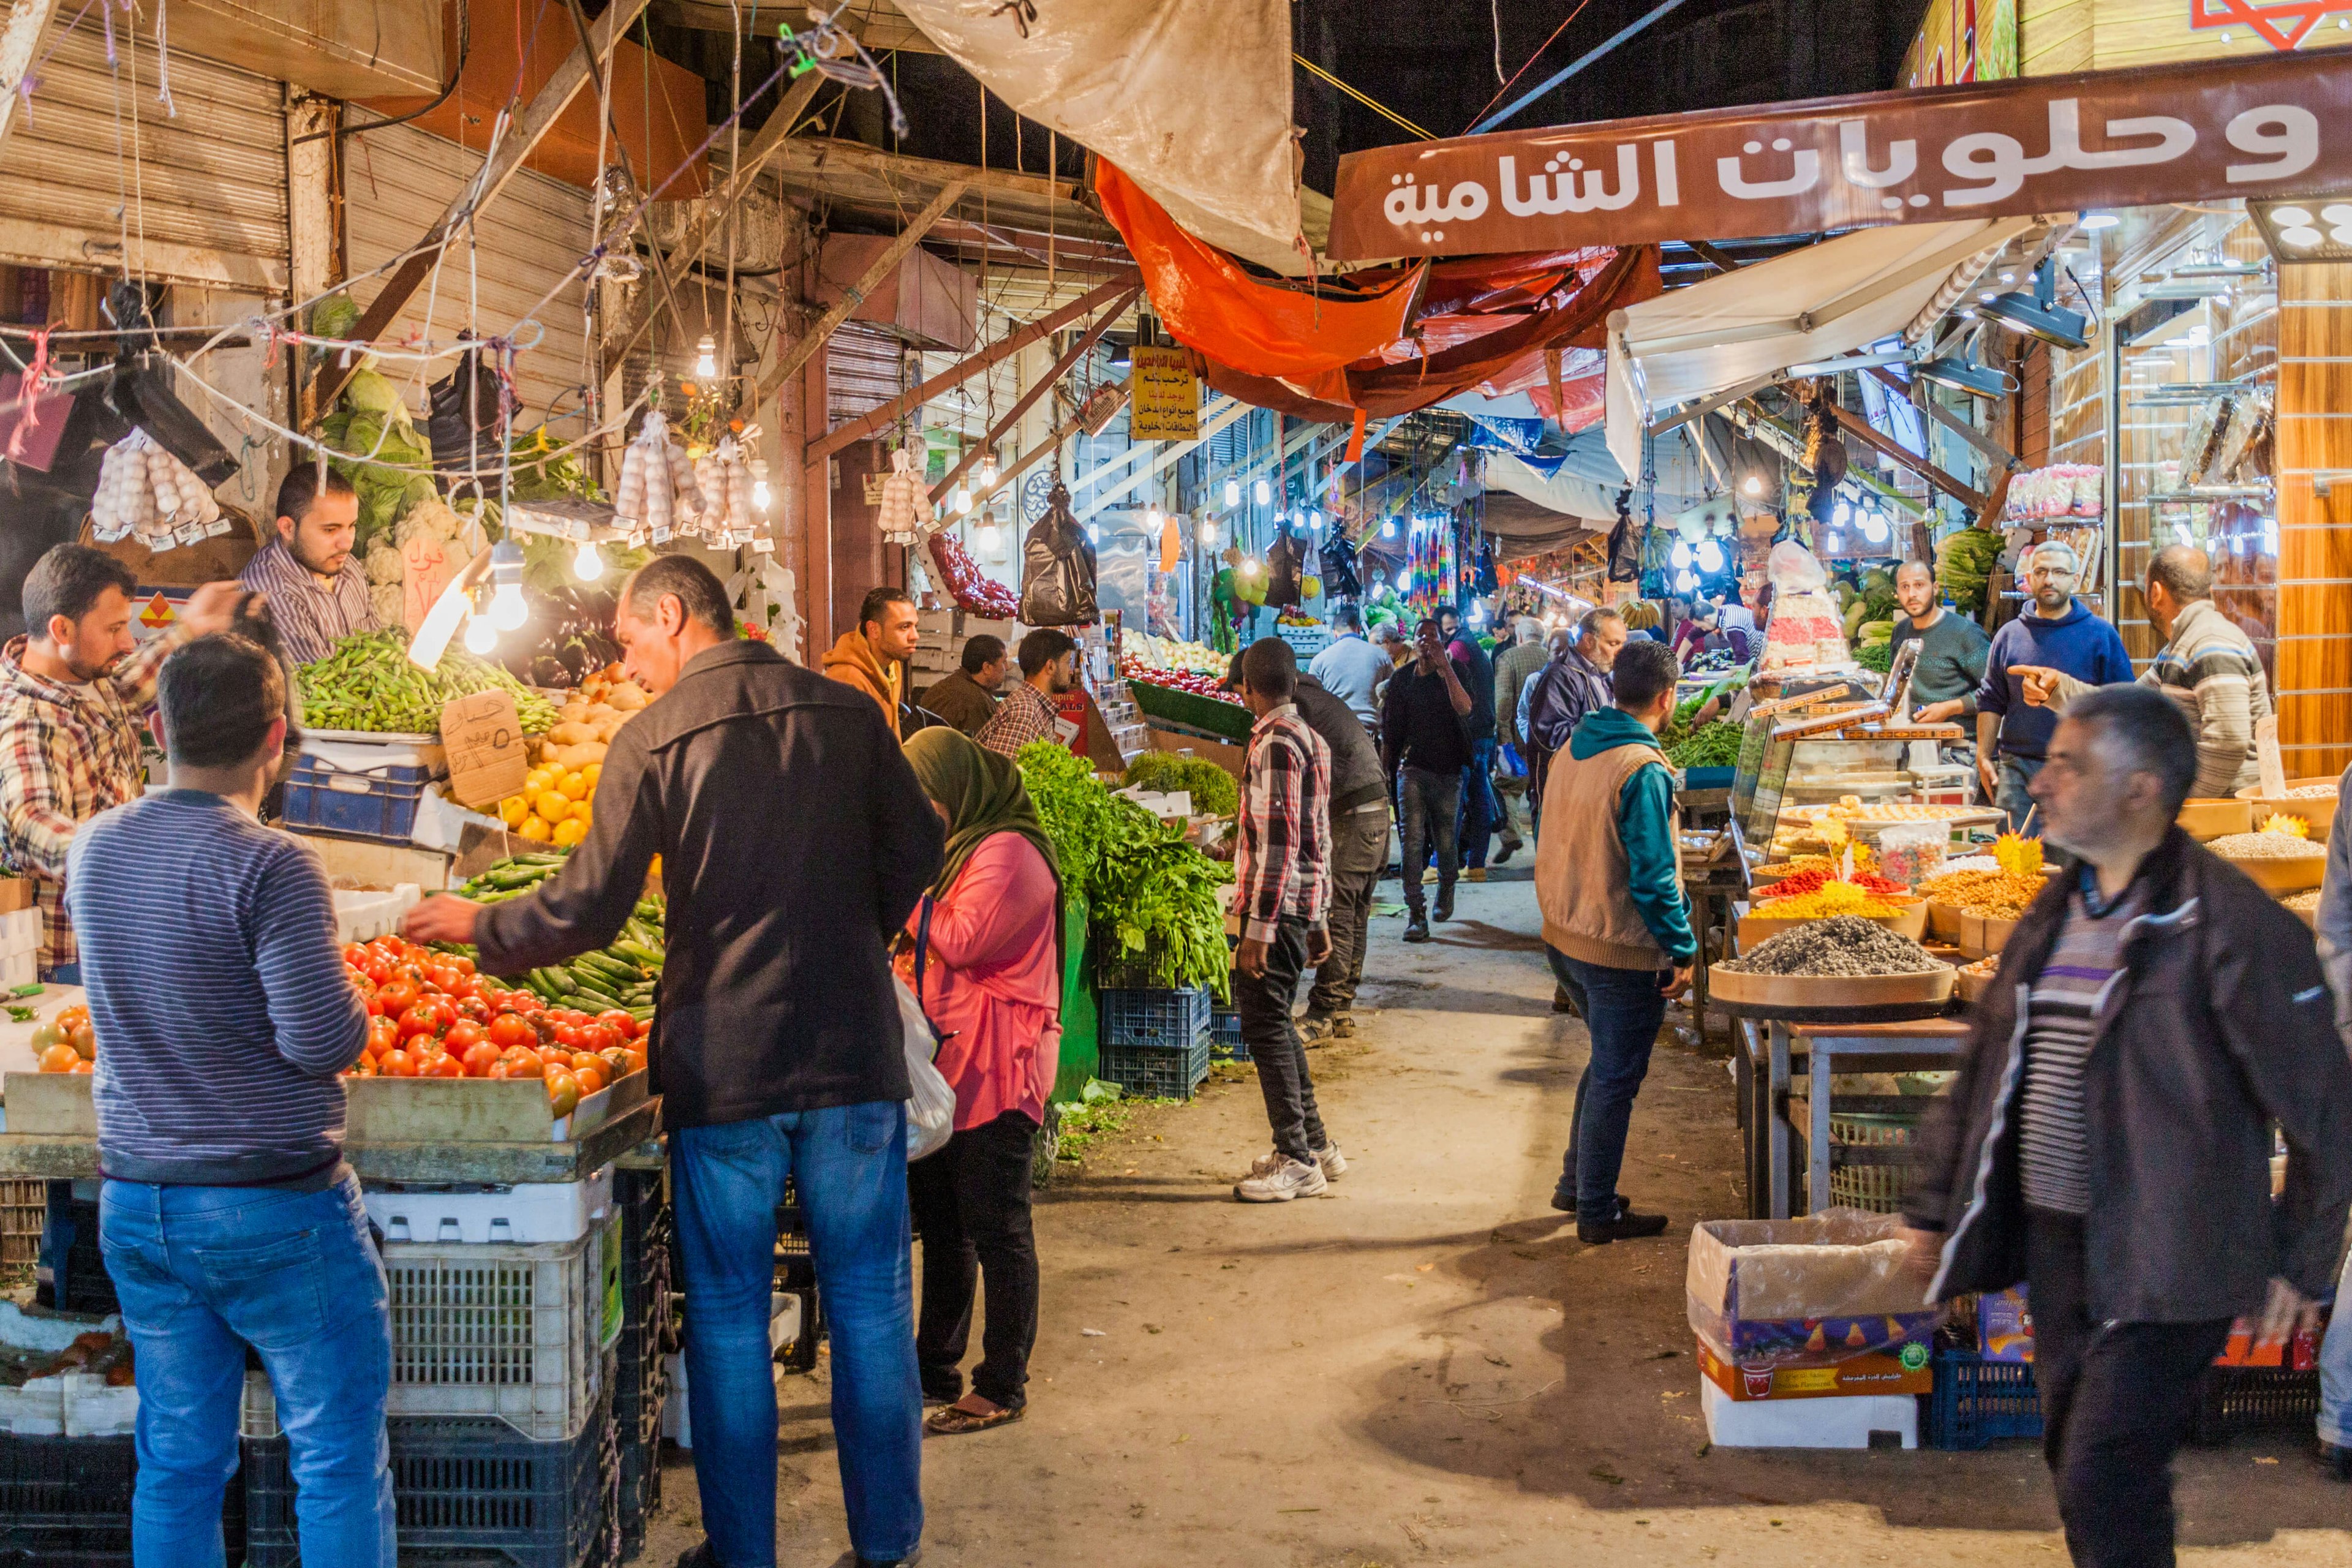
(989, 977)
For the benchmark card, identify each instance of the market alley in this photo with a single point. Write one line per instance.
(1426, 1366)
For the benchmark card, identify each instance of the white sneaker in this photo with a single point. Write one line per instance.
(1330, 1162)
(1288, 1179)
(1265, 1162)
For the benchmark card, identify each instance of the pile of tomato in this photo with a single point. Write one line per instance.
(431, 1015)
(65, 1044)
(1199, 684)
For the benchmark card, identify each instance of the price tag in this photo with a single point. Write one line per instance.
(190, 534)
(661, 535)
(765, 546)
(162, 542)
(218, 527)
(486, 761)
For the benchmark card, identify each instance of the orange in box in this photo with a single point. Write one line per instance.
(1874, 1371)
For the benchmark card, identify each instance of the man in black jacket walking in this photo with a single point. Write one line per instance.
(2108, 1139)
(793, 838)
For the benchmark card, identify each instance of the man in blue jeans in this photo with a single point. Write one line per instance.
(1615, 925)
(228, 1217)
(794, 837)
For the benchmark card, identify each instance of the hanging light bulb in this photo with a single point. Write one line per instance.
(1710, 556)
(1094, 533)
(1840, 513)
(1681, 554)
(1261, 492)
(508, 610)
(992, 537)
(987, 474)
(706, 357)
(481, 638)
(1684, 583)
(1314, 519)
(762, 497)
(1873, 526)
(1388, 529)
(1233, 493)
(1753, 485)
(588, 565)
(1252, 567)
(963, 500)
(1207, 531)
(1404, 581)
(1834, 544)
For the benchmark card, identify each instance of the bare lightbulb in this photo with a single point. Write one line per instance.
(481, 638)
(1751, 486)
(987, 474)
(508, 612)
(1262, 492)
(588, 565)
(1233, 493)
(706, 358)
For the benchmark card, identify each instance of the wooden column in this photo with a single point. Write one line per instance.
(816, 520)
(2314, 553)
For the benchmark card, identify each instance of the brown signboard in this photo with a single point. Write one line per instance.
(2256, 128)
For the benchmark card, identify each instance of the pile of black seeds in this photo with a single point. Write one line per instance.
(1841, 945)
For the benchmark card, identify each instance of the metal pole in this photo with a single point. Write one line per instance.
(1582, 61)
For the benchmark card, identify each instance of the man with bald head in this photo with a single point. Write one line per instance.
(2207, 666)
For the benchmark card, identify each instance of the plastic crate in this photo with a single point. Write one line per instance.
(65, 1502)
(1225, 1041)
(1153, 1017)
(461, 1491)
(514, 1333)
(1162, 1072)
(1977, 1401)
(23, 1213)
(2234, 1399)
(529, 1214)
(380, 803)
(641, 1491)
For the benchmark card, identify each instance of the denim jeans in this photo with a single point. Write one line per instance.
(1429, 805)
(849, 1164)
(1263, 1002)
(1359, 846)
(2336, 1367)
(1480, 812)
(1622, 1009)
(2016, 772)
(204, 1272)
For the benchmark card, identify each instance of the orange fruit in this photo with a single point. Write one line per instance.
(60, 1058)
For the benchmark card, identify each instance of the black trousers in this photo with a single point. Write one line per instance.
(1263, 1003)
(971, 1202)
(2117, 1402)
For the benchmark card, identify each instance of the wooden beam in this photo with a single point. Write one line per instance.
(1061, 433)
(522, 137)
(1859, 428)
(2003, 457)
(1712, 255)
(965, 369)
(880, 27)
(1044, 384)
(809, 158)
(20, 45)
(854, 295)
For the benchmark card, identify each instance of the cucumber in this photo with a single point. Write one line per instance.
(591, 1000)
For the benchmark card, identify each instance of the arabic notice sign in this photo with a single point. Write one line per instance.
(1167, 396)
(2248, 127)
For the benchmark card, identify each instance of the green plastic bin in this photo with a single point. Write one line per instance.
(1081, 1028)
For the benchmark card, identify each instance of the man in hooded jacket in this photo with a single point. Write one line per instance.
(871, 657)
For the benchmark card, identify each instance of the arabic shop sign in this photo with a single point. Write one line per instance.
(2262, 127)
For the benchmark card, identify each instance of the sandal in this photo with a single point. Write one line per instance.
(954, 1421)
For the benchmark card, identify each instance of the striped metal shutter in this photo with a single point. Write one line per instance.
(397, 181)
(99, 163)
(864, 368)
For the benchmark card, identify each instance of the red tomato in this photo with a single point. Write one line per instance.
(384, 1034)
(398, 996)
(463, 1035)
(356, 955)
(500, 1070)
(397, 1064)
(374, 1005)
(523, 1063)
(445, 1010)
(419, 1020)
(591, 1079)
(569, 1037)
(601, 1038)
(614, 1018)
(461, 963)
(443, 1065)
(526, 1001)
(473, 1009)
(377, 970)
(478, 1057)
(636, 1059)
(562, 1093)
(512, 1029)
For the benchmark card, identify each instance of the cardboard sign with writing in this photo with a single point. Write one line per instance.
(1167, 396)
(486, 761)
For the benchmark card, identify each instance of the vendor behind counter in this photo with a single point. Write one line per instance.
(317, 589)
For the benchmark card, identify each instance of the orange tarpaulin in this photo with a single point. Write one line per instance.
(1386, 342)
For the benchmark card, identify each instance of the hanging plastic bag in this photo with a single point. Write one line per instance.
(1283, 558)
(1057, 569)
(930, 1104)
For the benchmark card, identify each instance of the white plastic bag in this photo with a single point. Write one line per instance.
(930, 1104)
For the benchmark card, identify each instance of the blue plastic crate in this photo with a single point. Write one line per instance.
(1979, 1402)
(1155, 1017)
(1162, 1072)
(379, 804)
(1225, 1035)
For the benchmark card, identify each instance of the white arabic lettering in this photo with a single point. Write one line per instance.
(1564, 190)
(1408, 201)
(2001, 161)
(2295, 144)
(1662, 161)
(1853, 153)
(1806, 175)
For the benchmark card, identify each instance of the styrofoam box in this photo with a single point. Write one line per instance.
(521, 1215)
(1837, 1421)
(74, 1404)
(365, 914)
(20, 933)
(783, 1328)
(20, 969)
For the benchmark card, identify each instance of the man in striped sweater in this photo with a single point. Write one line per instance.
(224, 1012)
(2207, 666)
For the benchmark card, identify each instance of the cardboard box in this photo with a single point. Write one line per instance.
(1804, 1292)
(487, 759)
(15, 893)
(2299, 1353)
(1907, 1370)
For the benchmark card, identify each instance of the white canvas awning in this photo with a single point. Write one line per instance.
(1746, 328)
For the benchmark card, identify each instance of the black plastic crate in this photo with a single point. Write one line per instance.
(641, 1491)
(71, 1274)
(1153, 1017)
(65, 1502)
(461, 1488)
(1160, 1072)
(2234, 1399)
(1977, 1401)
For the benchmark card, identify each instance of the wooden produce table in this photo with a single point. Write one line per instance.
(1765, 1069)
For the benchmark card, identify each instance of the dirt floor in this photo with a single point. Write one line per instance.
(1426, 1366)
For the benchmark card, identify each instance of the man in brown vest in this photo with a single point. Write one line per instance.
(1615, 925)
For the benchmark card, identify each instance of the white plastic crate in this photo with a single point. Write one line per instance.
(20, 933)
(783, 1328)
(73, 1404)
(515, 1332)
(1834, 1421)
(19, 969)
(365, 914)
(534, 1215)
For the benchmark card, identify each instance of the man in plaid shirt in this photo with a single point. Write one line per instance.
(1049, 668)
(74, 695)
(1282, 887)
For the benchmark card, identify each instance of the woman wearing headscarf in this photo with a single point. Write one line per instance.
(989, 979)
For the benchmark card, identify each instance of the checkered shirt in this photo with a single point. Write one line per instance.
(1282, 865)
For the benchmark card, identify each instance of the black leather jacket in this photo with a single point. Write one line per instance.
(794, 841)
(2220, 1026)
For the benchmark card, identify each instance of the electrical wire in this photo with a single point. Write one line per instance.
(1574, 13)
(1374, 104)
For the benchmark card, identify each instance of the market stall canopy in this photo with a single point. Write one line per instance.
(1752, 325)
(1190, 97)
(1586, 481)
(1522, 527)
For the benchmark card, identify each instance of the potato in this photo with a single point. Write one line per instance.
(578, 756)
(600, 712)
(574, 733)
(574, 713)
(628, 697)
